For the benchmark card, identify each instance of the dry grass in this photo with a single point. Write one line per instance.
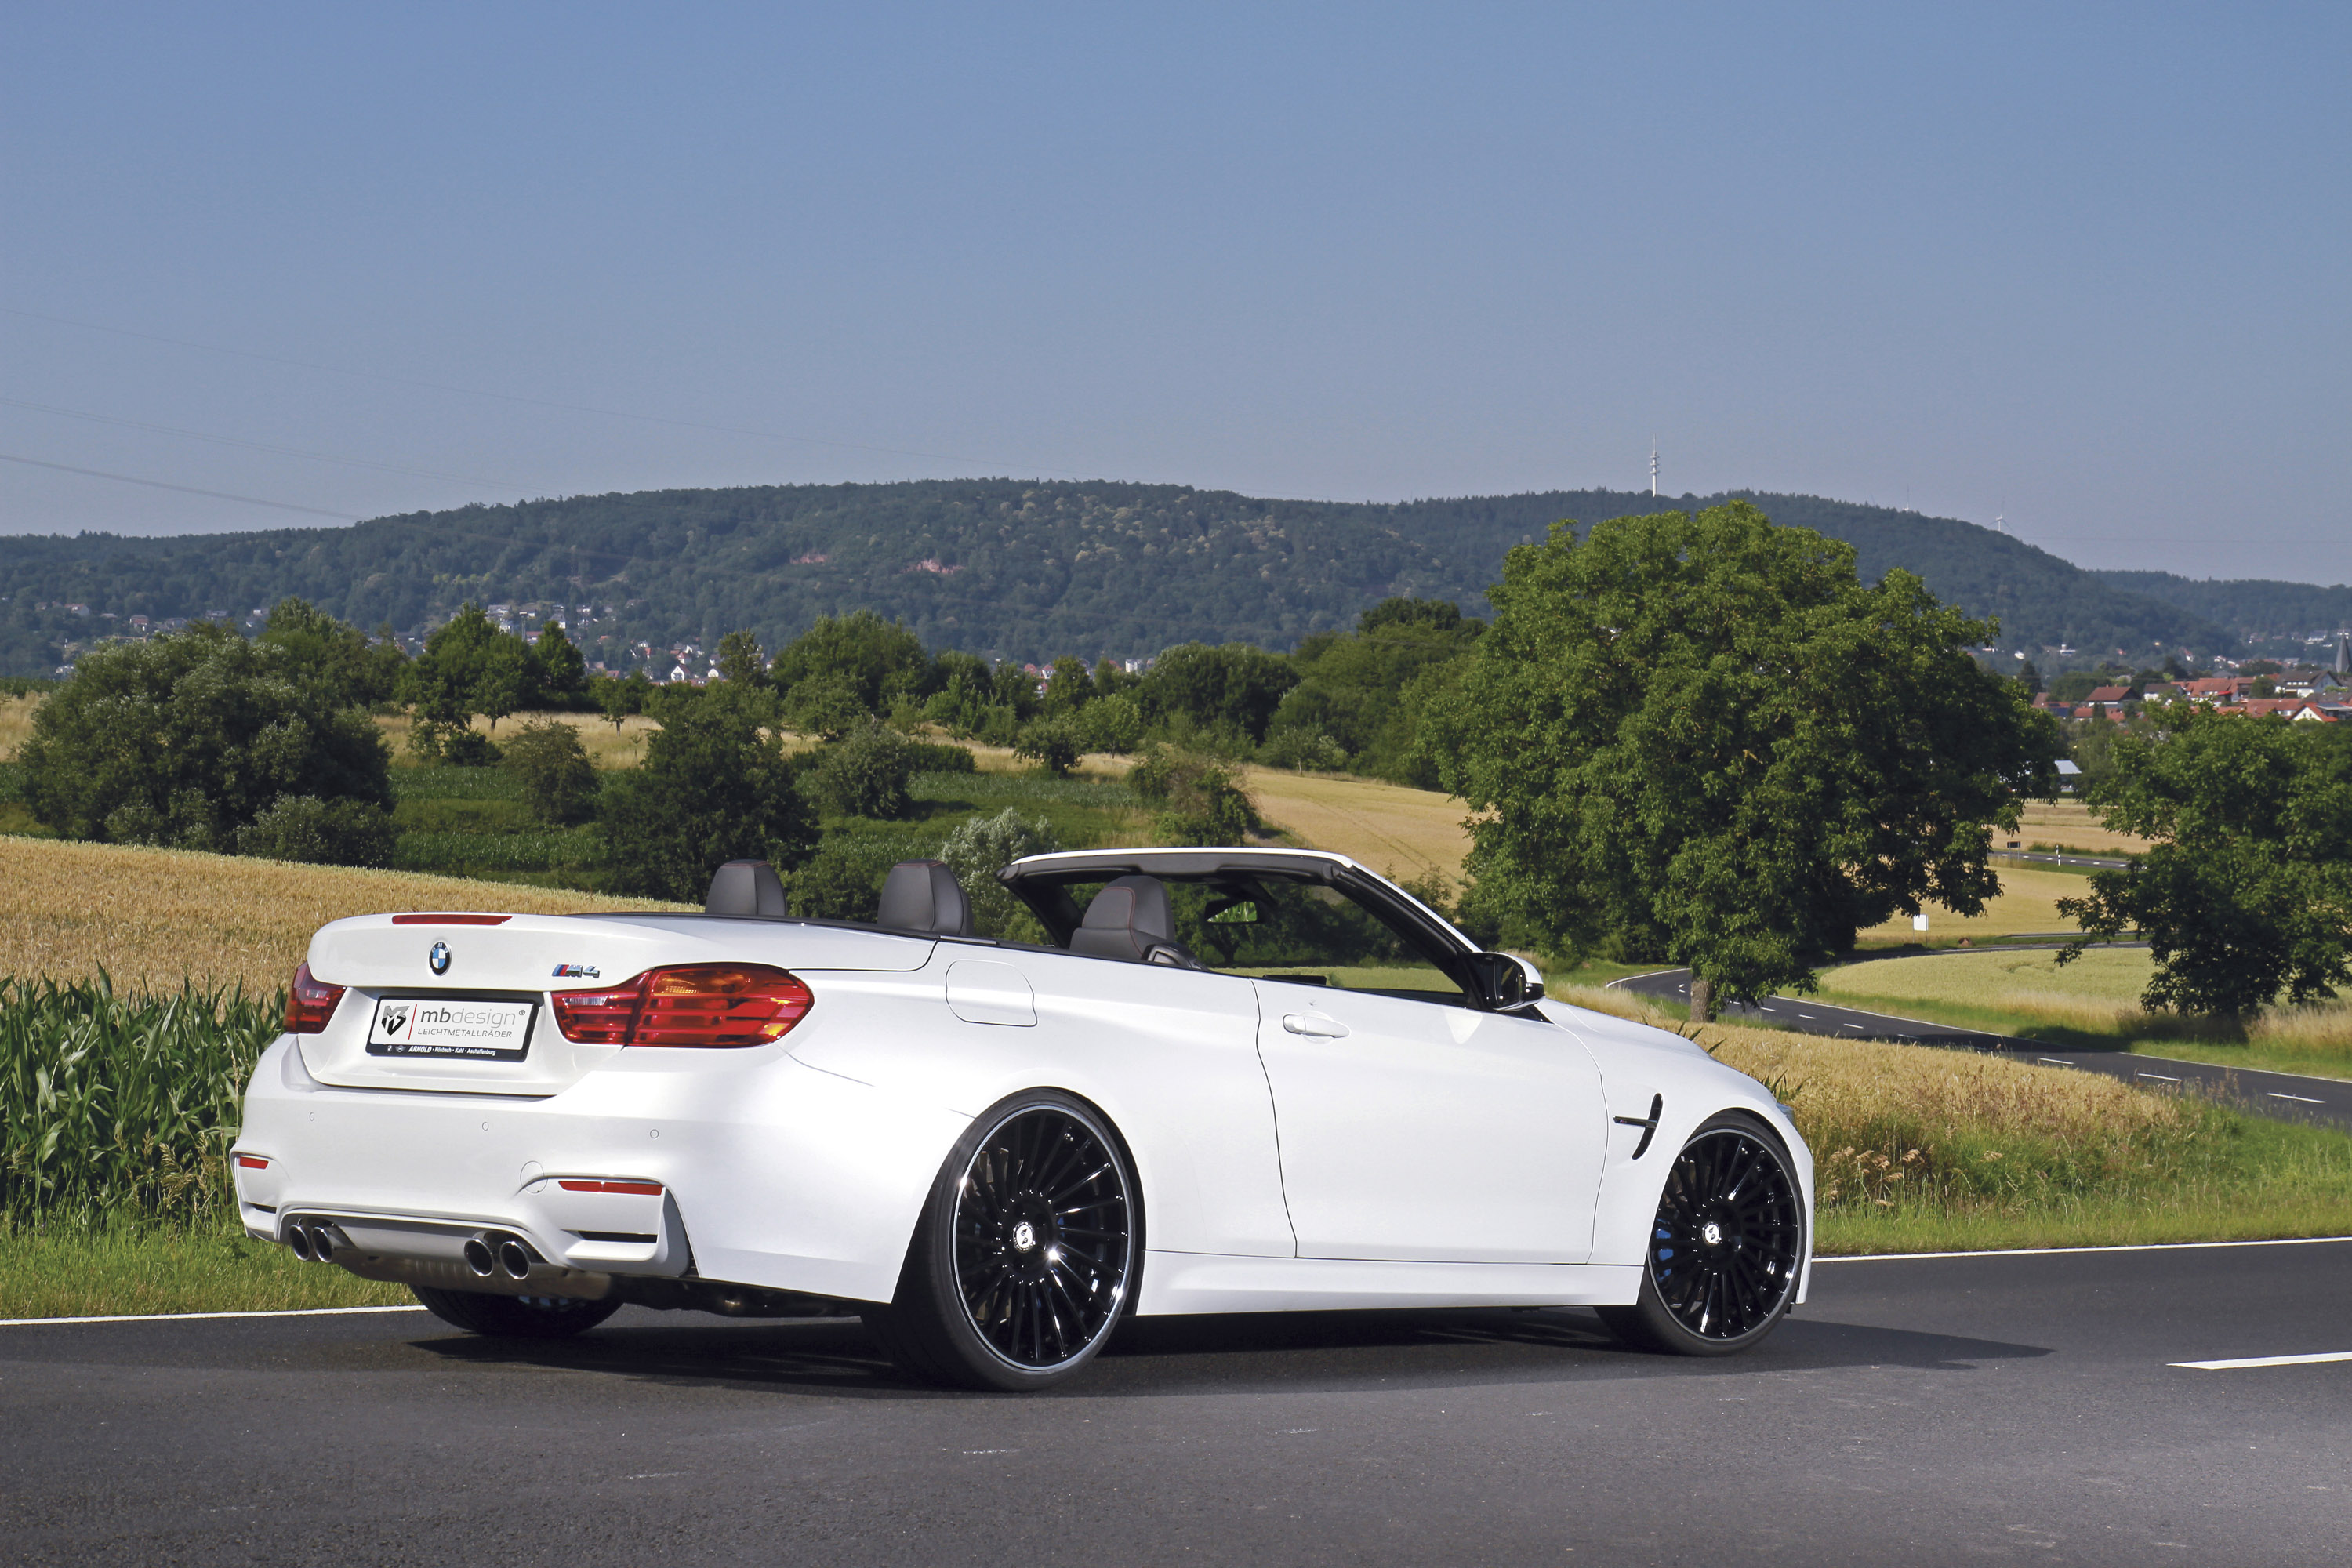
(1926, 1148)
(153, 917)
(607, 747)
(1399, 832)
(2071, 824)
(2028, 902)
(17, 722)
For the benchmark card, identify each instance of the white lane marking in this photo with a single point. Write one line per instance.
(2300, 1098)
(2265, 1360)
(193, 1317)
(2052, 1062)
(2159, 1076)
(1849, 1026)
(2055, 1251)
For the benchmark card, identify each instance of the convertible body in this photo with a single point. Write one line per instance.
(1305, 1123)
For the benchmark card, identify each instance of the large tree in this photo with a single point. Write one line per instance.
(185, 739)
(1702, 733)
(2247, 891)
(714, 787)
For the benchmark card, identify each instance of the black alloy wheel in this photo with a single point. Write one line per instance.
(515, 1317)
(1026, 1257)
(1725, 1248)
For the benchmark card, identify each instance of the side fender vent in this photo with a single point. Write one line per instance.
(1649, 1126)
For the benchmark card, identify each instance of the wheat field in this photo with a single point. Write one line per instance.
(152, 918)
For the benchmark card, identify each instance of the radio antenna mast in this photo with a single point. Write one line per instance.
(1654, 468)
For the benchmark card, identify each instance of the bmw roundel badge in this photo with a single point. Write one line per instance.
(439, 958)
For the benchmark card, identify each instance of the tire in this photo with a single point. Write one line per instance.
(515, 1317)
(1027, 1252)
(1719, 1294)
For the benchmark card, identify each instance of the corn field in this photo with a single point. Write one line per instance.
(123, 1107)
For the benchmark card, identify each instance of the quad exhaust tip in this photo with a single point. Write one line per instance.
(299, 1240)
(513, 1260)
(478, 1258)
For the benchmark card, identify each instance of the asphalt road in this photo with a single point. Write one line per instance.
(2290, 1097)
(2015, 1408)
(2048, 858)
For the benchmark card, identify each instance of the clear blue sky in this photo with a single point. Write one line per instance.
(2086, 264)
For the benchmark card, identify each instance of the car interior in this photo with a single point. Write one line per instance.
(1257, 925)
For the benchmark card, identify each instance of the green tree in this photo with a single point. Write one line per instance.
(561, 669)
(1068, 685)
(712, 788)
(1199, 801)
(1361, 696)
(879, 660)
(1054, 744)
(865, 773)
(353, 669)
(302, 827)
(2246, 891)
(1702, 733)
(740, 660)
(620, 699)
(470, 667)
(186, 738)
(1231, 691)
(559, 783)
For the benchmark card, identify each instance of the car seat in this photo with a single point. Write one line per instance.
(1129, 918)
(924, 895)
(746, 889)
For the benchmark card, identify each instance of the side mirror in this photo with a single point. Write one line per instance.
(1503, 983)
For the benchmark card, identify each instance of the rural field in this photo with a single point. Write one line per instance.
(2092, 1001)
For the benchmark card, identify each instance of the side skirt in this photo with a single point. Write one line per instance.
(1175, 1283)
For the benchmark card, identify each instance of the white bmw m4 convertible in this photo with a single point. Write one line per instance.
(1238, 1081)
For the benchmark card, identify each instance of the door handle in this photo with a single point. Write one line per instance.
(1315, 1023)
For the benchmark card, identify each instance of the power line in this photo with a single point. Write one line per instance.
(256, 446)
(184, 489)
(515, 397)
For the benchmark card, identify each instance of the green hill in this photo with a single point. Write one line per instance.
(2272, 616)
(1024, 571)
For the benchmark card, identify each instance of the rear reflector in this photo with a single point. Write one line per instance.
(451, 919)
(310, 1003)
(253, 1161)
(636, 1189)
(700, 1004)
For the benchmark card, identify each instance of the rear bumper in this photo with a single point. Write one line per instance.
(772, 1174)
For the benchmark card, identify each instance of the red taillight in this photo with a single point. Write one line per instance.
(253, 1161)
(695, 1004)
(310, 1003)
(635, 1189)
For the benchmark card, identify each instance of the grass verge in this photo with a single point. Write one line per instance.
(1919, 1149)
(67, 1271)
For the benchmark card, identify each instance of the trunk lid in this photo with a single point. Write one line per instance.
(479, 992)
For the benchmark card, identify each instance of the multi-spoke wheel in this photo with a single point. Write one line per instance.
(515, 1317)
(1025, 1257)
(1725, 1248)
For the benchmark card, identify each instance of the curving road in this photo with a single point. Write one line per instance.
(2011, 1408)
(2288, 1096)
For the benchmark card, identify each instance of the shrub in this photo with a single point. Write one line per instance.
(827, 706)
(1054, 744)
(942, 759)
(837, 884)
(1111, 725)
(320, 832)
(1199, 801)
(980, 847)
(559, 783)
(864, 773)
(1302, 746)
(187, 737)
(712, 788)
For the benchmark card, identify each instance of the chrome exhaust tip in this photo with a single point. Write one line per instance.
(514, 1259)
(298, 1239)
(478, 1258)
(322, 1244)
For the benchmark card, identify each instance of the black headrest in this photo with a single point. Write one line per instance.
(746, 888)
(1127, 920)
(923, 895)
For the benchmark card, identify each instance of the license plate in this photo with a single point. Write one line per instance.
(482, 1028)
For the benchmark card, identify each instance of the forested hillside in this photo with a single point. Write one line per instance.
(2263, 609)
(1023, 571)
